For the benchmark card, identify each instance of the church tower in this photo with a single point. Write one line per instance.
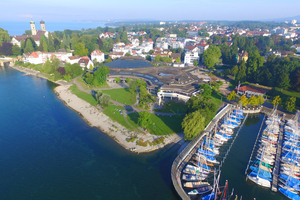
(32, 26)
(43, 25)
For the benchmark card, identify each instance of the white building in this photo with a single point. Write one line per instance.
(41, 57)
(73, 59)
(86, 62)
(190, 57)
(98, 56)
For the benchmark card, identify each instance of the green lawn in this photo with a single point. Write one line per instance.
(115, 115)
(216, 97)
(82, 95)
(284, 94)
(121, 95)
(161, 125)
(173, 107)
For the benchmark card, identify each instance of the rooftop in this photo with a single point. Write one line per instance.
(129, 62)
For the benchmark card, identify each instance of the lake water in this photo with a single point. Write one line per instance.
(18, 28)
(47, 151)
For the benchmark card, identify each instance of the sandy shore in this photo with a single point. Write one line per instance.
(98, 119)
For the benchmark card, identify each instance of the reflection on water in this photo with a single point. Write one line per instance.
(48, 152)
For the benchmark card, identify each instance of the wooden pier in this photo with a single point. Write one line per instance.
(276, 168)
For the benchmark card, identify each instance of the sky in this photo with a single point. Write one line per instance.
(162, 10)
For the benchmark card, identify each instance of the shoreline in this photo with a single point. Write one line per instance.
(96, 118)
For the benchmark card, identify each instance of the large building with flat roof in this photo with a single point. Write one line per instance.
(129, 62)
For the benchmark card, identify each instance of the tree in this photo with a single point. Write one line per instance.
(231, 96)
(4, 36)
(89, 78)
(16, 50)
(241, 75)
(117, 79)
(6, 49)
(234, 70)
(144, 119)
(80, 49)
(127, 54)
(195, 63)
(206, 89)
(276, 101)
(101, 73)
(178, 60)
(157, 58)
(212, 56)
(124, 37)
(253, 100)
(133, 86)
(243, 100)
(108, 60)
(290, 104)
(29, 47)
(260, 99)
(193, 124)
(102, 98)
(127, 80)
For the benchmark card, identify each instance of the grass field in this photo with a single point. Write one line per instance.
(284, 94)
(122, 96)
(113, 113)
(173, 107)
(161, 125)
(216, 97)
(82, 95)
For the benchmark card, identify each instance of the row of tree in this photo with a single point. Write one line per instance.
(98, 77)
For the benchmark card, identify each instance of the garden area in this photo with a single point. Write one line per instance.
(173, 107)
(122, 95)
(158, 124)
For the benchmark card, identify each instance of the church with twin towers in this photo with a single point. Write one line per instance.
(33, 29)
(35, 34)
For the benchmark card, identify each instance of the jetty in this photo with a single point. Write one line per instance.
(183, 158)
(276, 168)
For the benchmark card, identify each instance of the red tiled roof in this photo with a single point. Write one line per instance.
(252, 89)
(96, 52)
(189, 47)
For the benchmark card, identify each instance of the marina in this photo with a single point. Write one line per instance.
(264, 168)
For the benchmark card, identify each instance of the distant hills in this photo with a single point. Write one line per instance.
(285, 19)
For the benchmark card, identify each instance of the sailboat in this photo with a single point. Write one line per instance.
(215, 192)
(259, 175)
(290, 184)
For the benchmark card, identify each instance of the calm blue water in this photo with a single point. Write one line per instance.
(18, 28)
(236, 162)
(48, 152)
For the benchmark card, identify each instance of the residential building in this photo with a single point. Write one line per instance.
(98, 56)
(85, 61)
(190, 57)
(115, 55)
(41, 57)
(73, 59)
(243, 56)
(297, 47)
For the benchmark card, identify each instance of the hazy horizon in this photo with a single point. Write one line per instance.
(160, 10)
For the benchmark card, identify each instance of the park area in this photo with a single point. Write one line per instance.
(122, 95)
